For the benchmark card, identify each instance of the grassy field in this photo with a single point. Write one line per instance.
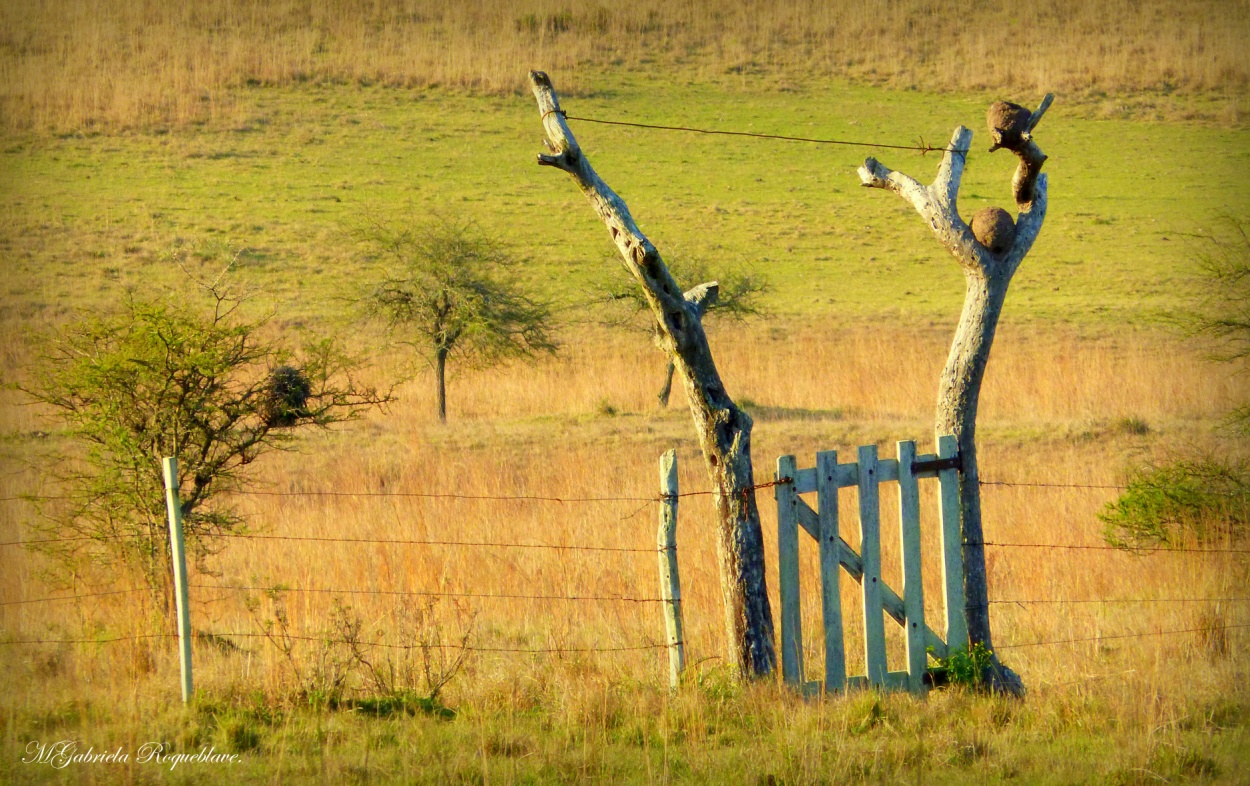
(122, 164)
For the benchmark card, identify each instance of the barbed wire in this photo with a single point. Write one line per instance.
(55, 598)
(921, 146)
(1098, 486)
(1019, 601)
(464, 543)
(1118, 636)
(432, 495)
(430, 593)
(1133, 550)
(327, 640)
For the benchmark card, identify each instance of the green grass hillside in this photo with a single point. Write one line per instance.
(83, 216)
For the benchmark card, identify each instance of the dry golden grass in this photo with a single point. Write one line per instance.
(1056, 409)
(71, 64)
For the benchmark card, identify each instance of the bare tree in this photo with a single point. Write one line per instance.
(724, 430)
(990, 252)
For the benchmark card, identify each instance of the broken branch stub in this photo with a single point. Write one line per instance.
(724, 430)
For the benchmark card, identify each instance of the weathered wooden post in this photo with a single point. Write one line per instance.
(989, 251)
(670, 580)
(178, 554)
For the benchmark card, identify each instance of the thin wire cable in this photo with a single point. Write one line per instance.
(61, 540)
(1123, 600)
(429, 495)
(922, 147)
(1054, 485)
(464, 543)
(432, 594)
(93, 641)
(1134, 550)
(1106, 638)
(471, 648)
(69, 597)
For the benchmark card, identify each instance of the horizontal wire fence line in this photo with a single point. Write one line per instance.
(56, 598)
(920, 146)
(1124, 600)
(461, 543)
(360, 642)
(1119, 636)
(1131, 550)
(430, 593)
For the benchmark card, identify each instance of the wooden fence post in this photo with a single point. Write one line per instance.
(178, 554)
(788, 572)
(670, 581)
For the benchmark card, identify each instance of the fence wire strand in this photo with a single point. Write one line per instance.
(1118, 636)
(431, 593)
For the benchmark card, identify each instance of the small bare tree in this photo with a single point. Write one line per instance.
(724, 430)
(990, 252)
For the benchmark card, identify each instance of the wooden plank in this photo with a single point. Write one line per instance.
(952, 548)
(887, 470)
(670, 580)
(173, 506)
(808, 519)
(913, 585)
(896, 680)
(847, 475)
(788, 574)
(830, 569)
(804, 480)
(870, 557)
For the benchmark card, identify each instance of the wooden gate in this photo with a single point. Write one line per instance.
(821, 523)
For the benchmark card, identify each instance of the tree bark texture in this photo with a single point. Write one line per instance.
(724, 430)
(440, 371)
(987, 277)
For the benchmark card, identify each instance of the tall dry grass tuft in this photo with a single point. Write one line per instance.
(73, 64)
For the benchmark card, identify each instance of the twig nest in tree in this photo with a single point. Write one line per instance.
(286, 397)
(1008, 122)
(994, 229)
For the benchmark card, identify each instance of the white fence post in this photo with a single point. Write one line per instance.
(178, 553)
(670, 581)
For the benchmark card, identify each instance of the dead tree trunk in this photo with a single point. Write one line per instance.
(990, 252)
(724, 430)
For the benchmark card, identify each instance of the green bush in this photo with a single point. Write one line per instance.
(1203, 501)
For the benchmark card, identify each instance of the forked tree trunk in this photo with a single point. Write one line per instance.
(440, 373)
(987, 276)
(724, 430)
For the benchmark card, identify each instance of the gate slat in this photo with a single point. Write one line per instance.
(830, 568)
(788, 570)
(913, 585)
(952, 550)
(870, 556)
